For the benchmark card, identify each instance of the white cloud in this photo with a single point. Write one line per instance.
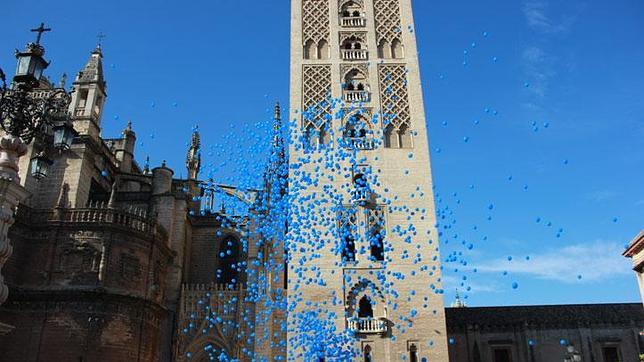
(536, 13)
(602, 195)
(539, 68)
(595, 261)
(452, 283)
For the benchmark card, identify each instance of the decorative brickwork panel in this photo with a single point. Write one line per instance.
(394, 95)
(387, 18)
(316, 105)
(360, 67)
(315, 20)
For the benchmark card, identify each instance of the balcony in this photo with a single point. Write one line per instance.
(356, 96)
(97, 215)
(368, 325)
(361, 195)
(354, 54)
(353, 22)
(79, 111)
(360, 143)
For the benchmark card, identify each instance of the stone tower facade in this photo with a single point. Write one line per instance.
(364, 259)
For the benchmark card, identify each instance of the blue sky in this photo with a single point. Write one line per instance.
(492, 72)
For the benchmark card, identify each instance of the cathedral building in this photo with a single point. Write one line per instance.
(117, 262)
(335, 257)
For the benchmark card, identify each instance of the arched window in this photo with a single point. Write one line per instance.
(311, 137)
(365, 308)
(325, 135)
(360, 181)
(352, 43)
(351, 8)
(355, 79)
(391, 139)
(229, 267)
(367, 354)
(404, 137)
(356, 127)
(323, 49)
(413, 353)
(377, 246)
(310, 51)
(348, 243)
(376, 224)
(384, 49)
(397, 49)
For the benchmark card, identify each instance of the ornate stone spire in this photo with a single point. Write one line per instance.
(93, 70)
(63, 81)
(277, 126)
(458, 302)
(193, 160)
(146, 166)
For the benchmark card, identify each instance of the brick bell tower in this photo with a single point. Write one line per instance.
(363, 260)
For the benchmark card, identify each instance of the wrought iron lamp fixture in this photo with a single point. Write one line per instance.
(27, 114)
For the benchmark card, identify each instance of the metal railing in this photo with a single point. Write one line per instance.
(368, 325)
(361, 194)
(354, 54)
(353, 22)
(360, 143)
(356, 96)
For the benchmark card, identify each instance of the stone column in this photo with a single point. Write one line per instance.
(11, 194)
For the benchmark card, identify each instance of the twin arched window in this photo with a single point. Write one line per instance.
(319, 50)
(393, 50)
(398, 138)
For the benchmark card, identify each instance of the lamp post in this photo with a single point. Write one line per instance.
(572, 355)
(26, 116)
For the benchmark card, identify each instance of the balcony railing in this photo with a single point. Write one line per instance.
(361, 195)
(356, 96)
(355, 54)
(79, 111)
(99, 214)
(368, 325)
(360, 143)
(353, 22)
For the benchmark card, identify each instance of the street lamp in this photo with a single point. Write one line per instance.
(573, 355)
(39, 166)
(25, 116)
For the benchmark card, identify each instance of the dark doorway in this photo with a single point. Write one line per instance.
(365, 309)
(502, 355)
(611, 354)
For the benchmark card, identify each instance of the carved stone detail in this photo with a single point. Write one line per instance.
(316, 105)
(394, 95)
(11, 193)
(315, 20)
(361, 67)
(387, 19)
